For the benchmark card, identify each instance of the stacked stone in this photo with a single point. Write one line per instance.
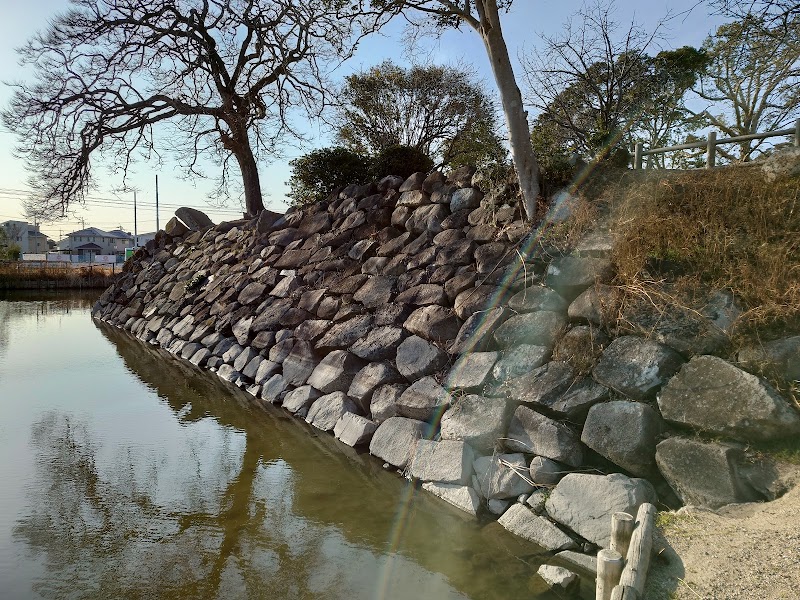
(416, 317)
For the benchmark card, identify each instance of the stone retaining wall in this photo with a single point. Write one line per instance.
(420, 320)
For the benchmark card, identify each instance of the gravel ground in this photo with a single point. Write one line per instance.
(743, 551)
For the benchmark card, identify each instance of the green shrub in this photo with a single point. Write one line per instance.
(319, 172)
(400, 160)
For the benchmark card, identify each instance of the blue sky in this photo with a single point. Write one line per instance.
(108, 209)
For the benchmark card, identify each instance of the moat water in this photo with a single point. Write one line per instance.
(127, 474)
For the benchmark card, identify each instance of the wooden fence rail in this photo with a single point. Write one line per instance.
(622, 568)
(711, 143)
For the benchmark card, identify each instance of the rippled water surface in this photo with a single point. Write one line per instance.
(125, 474)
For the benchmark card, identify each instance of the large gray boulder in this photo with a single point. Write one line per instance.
(571, 275)
(417, 358)
(195, 220)
(625, 433)
(383, 404)
(446, 461)
(424, 400)
(533, 433)
(395, 440)
(460, 496)
(300, 399)
(471, 370)
(335, 372)
(476, 332)
(346, 333)
(544, 471)
(779, 358)
(522, 521)
(535, 298)
(636, 367)
(585, 503)
(298, 366)
(354, 430)
(502, 476)
(479, 421)
(326, 410)
(379, 344)
(543, 385)
(785, 163)
(713, 395)
(540, 328)
(368, 379)
(520, 360)
(704, 473)
(434, 323)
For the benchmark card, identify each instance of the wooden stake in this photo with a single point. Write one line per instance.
(635, 573)
(609, 569)
(622, 525)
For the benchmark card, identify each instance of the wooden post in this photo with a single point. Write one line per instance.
(797, 133)
(622, 525)
(711, 150)
(637, 156)
(609, 570)
(622, 592)
(635, 573)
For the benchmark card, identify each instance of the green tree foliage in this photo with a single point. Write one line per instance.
(8, 250)
(317, 173)
(439, 110)
(752, 80)
(400, 160)
(665, 120)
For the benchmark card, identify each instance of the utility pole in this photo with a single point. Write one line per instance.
(135, 230)
(157, 227)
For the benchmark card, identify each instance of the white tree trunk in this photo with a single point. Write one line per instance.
(519, 135)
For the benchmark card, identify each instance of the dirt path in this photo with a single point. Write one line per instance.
(744, 551)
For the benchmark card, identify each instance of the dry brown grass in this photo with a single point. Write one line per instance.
(14, 275)
(720, 229)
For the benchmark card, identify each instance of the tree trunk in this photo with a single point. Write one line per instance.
(253, 202)
(519, 135)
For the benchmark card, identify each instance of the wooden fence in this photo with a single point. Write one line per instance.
(711, 143)
(622, 568)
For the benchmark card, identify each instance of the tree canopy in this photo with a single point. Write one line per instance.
(483, 16)
(752, 80)
(439, 110)
(223, 74)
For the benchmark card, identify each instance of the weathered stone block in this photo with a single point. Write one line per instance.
(395, 440)
(424, 400)
(625, 433)
(446, 461)
(585, 503)
(534, 433)
(713, 395)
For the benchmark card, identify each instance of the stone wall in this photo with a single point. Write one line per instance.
(420, 320)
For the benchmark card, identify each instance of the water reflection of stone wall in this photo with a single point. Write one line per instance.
(290, 481)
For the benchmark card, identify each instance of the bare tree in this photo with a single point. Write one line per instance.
(483, 16)
(776, 13)
(754, 78)
(223, 74)
(588, 82)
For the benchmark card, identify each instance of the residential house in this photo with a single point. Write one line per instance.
(90, 242)
(28, 237)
